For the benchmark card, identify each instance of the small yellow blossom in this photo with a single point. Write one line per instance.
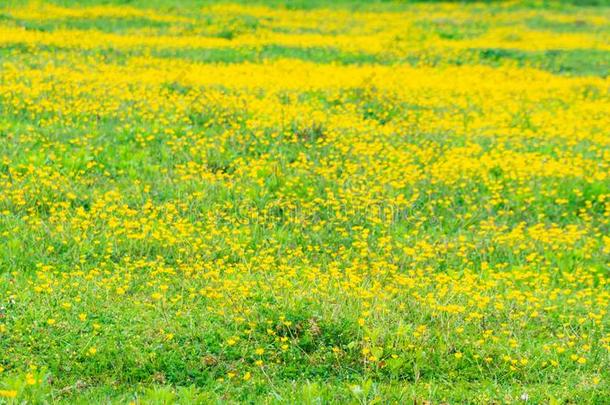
(8, 393)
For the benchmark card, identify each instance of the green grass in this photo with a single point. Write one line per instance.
(159, 237)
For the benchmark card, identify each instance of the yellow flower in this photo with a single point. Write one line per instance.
(30, 379)
(458, 355)
(8, 394)
(51, 321)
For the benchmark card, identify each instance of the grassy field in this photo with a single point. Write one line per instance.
(304, 202)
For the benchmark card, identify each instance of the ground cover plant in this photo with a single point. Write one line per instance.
(304, 202)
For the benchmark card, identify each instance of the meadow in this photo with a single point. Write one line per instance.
(304, 202)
